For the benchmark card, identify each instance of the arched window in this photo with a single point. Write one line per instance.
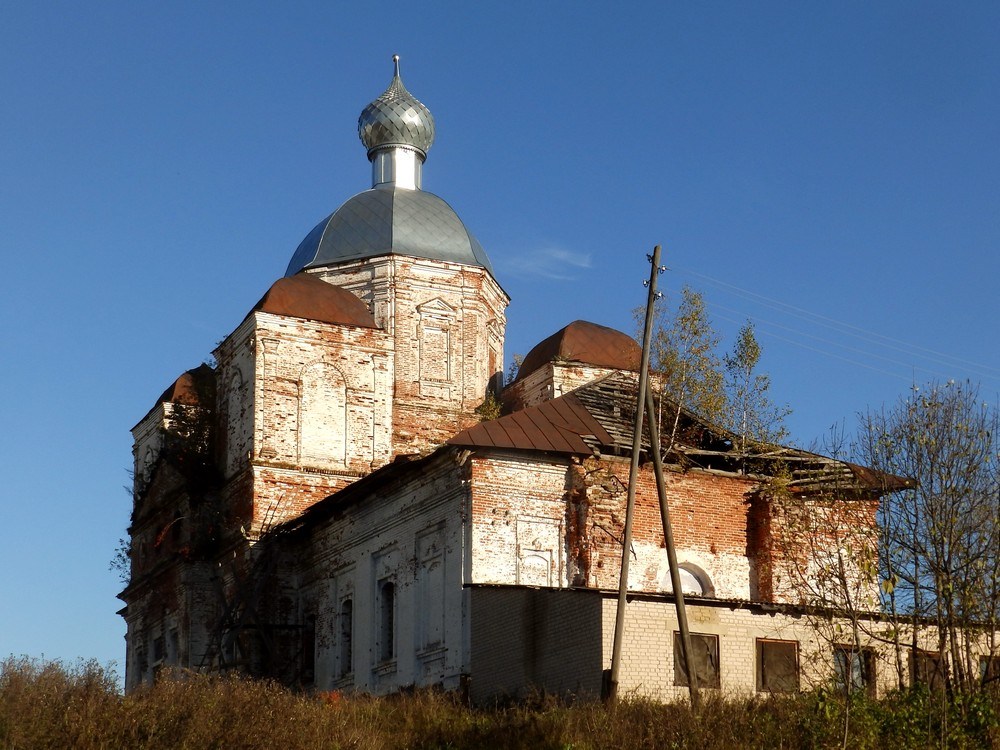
(694, 581)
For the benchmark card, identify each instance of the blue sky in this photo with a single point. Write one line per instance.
(830, 171)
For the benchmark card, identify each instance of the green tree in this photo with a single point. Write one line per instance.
(751, 413)
(683, 356)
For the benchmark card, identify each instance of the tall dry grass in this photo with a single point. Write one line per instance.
(54, 705)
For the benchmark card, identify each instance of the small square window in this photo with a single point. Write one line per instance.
(777, 666)
(854, 669)
(705, 653)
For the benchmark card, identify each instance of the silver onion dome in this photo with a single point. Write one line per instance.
(396, 119)
(395, 217)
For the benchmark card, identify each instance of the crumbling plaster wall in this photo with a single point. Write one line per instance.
(168, 624)
(518, 520)
(411, 534)
(235, 369)
(572, 513)
(323, 394)
(305, 408)
(820, 550)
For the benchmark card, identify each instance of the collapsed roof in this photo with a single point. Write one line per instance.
(598, 419)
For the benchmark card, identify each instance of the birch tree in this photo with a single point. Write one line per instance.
(684, 357)
(940, 556)
(751, 413)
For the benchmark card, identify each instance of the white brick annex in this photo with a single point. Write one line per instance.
(348, 499)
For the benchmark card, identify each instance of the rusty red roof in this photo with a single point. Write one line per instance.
(191, 387)
(562, 425)
(196, 387)
(306, 296)
(584, 342)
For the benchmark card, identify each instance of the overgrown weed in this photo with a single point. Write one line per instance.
(54, 705)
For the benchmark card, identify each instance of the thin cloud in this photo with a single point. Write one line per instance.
(551, 263)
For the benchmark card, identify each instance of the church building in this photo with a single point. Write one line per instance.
(350, 499)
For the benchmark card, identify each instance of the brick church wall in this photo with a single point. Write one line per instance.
(447, 322)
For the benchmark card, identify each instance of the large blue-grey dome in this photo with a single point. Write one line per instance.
(385, 220)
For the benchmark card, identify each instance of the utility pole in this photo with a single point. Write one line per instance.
(616, 649)
(645, 404)
(668, 538)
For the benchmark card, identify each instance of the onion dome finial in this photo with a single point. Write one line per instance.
(396, 119)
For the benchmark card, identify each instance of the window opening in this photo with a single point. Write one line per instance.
(927, 668)
(309, 650)
(387, 615)
(346, 637)
(174, 651)
(705, 650)
(777, 666)
(854, 669)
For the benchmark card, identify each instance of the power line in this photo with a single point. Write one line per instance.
(841, 326)
(914, 351)
(762, 327)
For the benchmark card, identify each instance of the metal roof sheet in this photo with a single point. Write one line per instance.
(582, 341)
(562, 425)
(311, 298)
(389, 220)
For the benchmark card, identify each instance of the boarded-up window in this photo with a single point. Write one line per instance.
(989, 668)
(705, 652)
(927, 668)
(854, 669)
(777, 666)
